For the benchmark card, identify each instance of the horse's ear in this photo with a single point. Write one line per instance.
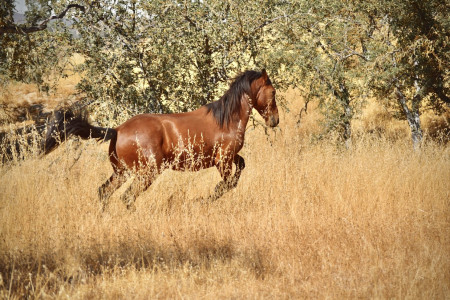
(264, 74)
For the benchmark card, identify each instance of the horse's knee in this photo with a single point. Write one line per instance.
(240, 162)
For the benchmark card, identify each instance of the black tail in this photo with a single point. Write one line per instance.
(66, 123)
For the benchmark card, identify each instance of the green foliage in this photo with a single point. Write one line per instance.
(415, 55)
(32, 58)
(173, 56)
(328, 50)
(412, 69)
(160, 56)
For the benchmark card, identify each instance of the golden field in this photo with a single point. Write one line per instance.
(307, 220)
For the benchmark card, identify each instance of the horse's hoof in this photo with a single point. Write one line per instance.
(131, 207)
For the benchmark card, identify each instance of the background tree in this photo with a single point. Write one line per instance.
(165, 56)
(412, 72)
(327, 46)
(31, 51)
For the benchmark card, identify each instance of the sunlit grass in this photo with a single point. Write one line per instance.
(306, 220)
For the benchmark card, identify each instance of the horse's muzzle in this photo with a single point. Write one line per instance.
(273, 121)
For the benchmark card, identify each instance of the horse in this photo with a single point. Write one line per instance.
(148, 144)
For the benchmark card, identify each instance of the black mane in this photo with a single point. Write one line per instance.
(229, 105)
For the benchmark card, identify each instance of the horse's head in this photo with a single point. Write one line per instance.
(263, 99)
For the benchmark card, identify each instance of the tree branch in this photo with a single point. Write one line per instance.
(16, 29)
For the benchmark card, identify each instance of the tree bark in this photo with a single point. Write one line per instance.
(347, 116)
(412, 116)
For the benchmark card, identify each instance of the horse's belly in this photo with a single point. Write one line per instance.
(190, 161)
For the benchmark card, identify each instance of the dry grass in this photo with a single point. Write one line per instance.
(306, 220)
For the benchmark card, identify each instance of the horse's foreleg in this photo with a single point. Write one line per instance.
(229, 181)
(240, 165)
(109, 187)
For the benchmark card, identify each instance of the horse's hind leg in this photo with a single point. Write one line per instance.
(140, 184)
(109, 187)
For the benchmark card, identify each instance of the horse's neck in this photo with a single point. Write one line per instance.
(244, 115)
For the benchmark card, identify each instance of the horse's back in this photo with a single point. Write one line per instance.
(156, 136)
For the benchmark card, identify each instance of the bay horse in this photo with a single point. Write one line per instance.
(210, 136)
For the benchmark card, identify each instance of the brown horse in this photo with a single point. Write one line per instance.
(149, 143)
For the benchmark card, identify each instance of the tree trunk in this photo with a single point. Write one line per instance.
(346, 117)
(348, 128)
(412, 116)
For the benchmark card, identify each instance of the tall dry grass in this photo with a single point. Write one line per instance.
(306, 220)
